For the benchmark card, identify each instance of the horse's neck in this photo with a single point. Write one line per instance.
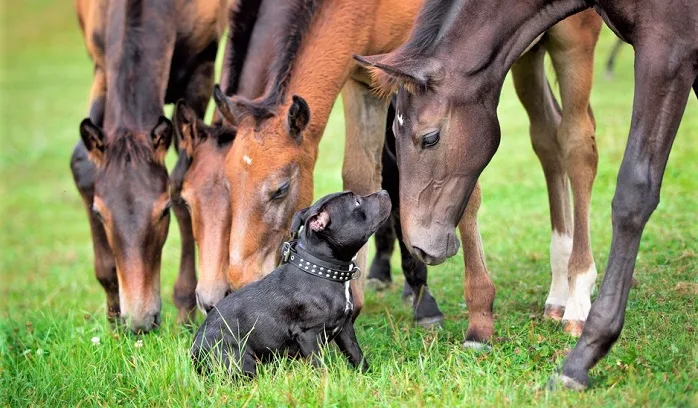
(340, 29)
(137, 57)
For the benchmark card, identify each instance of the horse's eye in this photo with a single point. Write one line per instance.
(357, 200)
(166, 210)
(430, 140)
(281, 191)
(97, 214)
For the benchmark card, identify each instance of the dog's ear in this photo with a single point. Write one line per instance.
(298, 220)
(319, 221)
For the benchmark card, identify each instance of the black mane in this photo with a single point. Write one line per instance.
(242, 22)
(435, 18)
(125, 149)
(298, 21)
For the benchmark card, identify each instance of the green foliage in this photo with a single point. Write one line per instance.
(51, 306)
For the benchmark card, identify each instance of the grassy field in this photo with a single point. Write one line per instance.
(51, 306)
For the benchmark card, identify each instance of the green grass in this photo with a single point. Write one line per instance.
(51, 306)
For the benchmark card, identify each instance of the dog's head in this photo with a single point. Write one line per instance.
(342, 222)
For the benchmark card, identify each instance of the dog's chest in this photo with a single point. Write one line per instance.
(348, 307)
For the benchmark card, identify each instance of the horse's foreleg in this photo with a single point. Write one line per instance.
(361, 171)
(544, 115)
(655, 121)
(573, 60)
(477, 285)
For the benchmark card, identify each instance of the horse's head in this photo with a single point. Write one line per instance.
(270, 170)
(132, 201)
(445, 136)
(206, 194)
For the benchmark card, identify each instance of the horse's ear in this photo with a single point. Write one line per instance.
(236, 108)
(93, 138)
(189, 129)
(161, 137)
(298, 117)
(390, 72)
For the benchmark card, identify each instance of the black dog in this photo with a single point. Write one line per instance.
(306, 302)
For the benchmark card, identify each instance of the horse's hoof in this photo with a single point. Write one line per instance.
(377, 284)
(573, 327)
(557, 380)
(554, 312)
(634, 283)
(476, 345)
(433, 322)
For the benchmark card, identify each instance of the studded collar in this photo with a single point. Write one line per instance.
(333, 270)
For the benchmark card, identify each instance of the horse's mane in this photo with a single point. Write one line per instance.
(243, 17)
(435, 18)
(124, 149)
(297, 24)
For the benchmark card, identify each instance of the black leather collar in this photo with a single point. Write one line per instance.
(336, 271)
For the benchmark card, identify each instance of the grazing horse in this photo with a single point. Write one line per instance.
(254, 32)
(146, 53)
(453, 69)
(563, 139)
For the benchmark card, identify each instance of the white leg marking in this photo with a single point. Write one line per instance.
(560, 251)
(579, 302)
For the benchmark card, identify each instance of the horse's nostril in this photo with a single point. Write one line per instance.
(227, 292)
(208, 308)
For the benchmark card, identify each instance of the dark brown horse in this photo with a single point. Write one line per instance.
(452, 70)
(146, 53)
(563, 139)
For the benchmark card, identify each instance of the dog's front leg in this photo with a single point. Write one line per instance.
(309, 344)
(349, 345)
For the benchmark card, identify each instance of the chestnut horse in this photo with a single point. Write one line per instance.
(452, 70)
(270, 165)
(145, 53)
(254, 31)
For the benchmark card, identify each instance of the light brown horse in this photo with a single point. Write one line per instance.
(272, 160)
(454, 66)
(145, 53)
(252, 38)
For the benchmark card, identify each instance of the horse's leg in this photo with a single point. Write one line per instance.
(544, 115)
(571, 48)
(197, 95)
(612, 57)
(655, 120)
(477, 285)
(695, 87)
(379, 275)
(361, 171)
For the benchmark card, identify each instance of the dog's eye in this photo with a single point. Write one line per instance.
(430, 140)
(97, 214)
(166, 210)
(281, 191)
